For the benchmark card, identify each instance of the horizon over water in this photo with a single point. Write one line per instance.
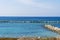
(17, 30)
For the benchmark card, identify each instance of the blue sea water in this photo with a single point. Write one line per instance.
(27, 29)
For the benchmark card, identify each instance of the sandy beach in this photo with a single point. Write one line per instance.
(52, 38)
(8, 38)
(29, 38)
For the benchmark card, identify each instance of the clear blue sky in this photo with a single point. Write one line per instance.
(29, 7)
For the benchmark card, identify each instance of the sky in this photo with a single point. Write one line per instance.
(29, 7)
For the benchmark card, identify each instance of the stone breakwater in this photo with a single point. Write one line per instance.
(52, 28)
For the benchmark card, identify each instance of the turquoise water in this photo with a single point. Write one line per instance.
(25, 29)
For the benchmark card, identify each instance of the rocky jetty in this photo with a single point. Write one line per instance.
(53, 28)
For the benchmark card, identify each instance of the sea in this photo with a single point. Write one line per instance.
(16, 30)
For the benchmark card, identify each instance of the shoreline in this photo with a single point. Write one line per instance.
(31, 38)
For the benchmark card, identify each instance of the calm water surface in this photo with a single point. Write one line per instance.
(25, 29)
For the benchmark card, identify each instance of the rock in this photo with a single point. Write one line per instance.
(55, 29)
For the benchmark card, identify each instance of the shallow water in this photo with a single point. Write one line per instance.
(25, 29)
